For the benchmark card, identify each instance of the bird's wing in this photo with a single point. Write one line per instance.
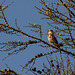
(55, 40)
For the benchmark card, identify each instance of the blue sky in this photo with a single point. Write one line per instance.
(25, 13)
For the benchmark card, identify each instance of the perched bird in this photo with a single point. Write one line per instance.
(52, 39)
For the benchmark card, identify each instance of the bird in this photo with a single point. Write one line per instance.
(51, 38)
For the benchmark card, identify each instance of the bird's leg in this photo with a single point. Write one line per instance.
(51, 44)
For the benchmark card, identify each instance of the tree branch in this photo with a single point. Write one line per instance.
(37, 39)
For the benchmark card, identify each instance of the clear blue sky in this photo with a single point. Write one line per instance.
(25, 13)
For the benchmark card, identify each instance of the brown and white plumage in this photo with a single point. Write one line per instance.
(51, 37)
